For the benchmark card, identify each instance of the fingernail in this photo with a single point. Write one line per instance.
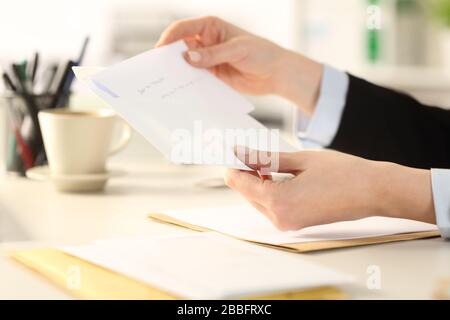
(194, 56)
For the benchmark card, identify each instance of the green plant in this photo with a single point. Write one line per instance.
(441, 11)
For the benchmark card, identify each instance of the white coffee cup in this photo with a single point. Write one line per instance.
(78, 142)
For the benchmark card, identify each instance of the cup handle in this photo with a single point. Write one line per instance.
(124, 138)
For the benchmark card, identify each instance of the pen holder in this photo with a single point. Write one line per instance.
(24, 148)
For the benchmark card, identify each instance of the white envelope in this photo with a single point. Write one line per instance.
(187, 113)
(208, 265)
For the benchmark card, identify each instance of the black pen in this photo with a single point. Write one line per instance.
(8, 82)
(51, 78)
(83, 51)
(60, 90)
(34, 67)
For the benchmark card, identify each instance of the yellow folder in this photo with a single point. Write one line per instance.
(311, 246)
(95, 282)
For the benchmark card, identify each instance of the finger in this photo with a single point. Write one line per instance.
(185, 28)
(236, 179)
(226, 52)
(260, 175)
(192, 43)
(248, 183)
(266, 161)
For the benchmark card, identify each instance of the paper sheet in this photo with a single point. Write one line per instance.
(247, 223)
(207, 266)
(166, 100)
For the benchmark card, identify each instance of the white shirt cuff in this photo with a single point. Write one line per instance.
(320, 130)
(440, 183)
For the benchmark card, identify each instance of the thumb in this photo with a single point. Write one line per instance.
(266, 161)
(226, 52)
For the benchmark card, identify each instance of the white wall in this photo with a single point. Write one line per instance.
(57, 27)
(334, 31)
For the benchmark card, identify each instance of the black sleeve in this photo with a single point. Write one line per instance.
(381, 124)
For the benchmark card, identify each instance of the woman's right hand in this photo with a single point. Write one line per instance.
(248, 63)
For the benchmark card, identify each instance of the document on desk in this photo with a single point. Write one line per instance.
(207, 266)
(187, 113)
(245, 222)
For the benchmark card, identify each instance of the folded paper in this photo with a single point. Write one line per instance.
(187, 113)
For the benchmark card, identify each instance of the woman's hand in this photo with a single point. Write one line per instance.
(246, 62)
(330, 186)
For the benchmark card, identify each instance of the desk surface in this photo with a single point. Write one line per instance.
(33, 213)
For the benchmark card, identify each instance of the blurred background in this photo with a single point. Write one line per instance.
(403, 44)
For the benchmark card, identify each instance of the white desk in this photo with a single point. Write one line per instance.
(36, 213)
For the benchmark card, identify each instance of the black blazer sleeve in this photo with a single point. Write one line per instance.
(381, 124)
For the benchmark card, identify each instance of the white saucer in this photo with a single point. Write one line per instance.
(73, 182)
